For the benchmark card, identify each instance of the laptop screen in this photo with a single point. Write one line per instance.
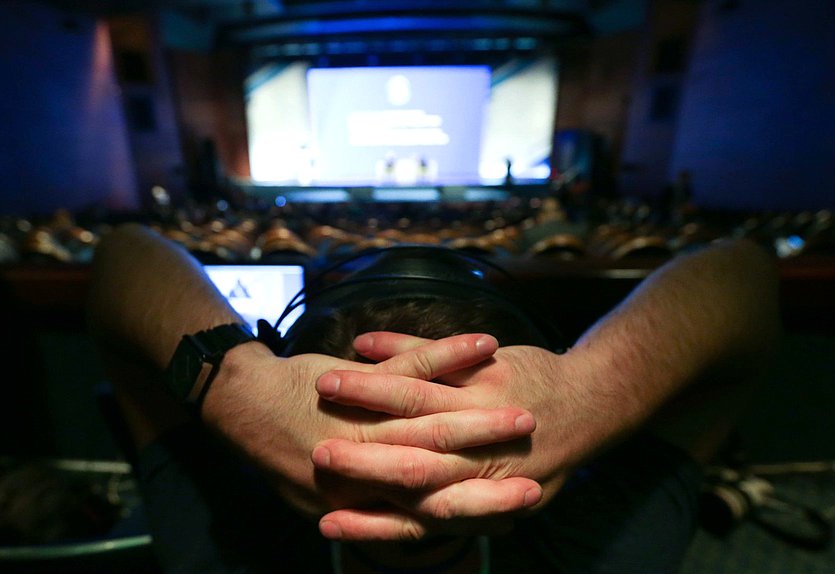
(259, 291)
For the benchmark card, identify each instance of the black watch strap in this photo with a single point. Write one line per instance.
(197, 360)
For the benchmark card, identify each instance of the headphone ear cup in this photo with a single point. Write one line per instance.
(412, 271)
(553, 338)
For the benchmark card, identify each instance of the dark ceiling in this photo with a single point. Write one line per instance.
(258, 21)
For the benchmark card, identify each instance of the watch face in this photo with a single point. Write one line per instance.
(197, 357)
(186, 370)
(193, 365)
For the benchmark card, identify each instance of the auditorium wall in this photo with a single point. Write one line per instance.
(64, 139)
(758, 110)
(594, 89)
(210, 107)
(142, 70)
(654, 108)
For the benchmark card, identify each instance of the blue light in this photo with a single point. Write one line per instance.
(478, 273)
(406, 194)
(789, 246)
(795, 242)
(280, 201)
(321, 196)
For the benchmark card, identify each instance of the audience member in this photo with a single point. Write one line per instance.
(593, 453)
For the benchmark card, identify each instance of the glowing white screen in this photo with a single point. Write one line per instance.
(259, 291)
(401, 125)
(353, 129)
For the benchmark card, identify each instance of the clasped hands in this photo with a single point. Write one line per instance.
(481, 459)
(381, 451)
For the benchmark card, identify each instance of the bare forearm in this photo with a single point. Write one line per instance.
(146, 293)
(708, 315)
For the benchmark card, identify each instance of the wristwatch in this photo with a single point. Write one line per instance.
(197, 359)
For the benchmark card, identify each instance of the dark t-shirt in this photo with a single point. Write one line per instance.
(634, 510)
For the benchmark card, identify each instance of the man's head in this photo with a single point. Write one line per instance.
(428, 292)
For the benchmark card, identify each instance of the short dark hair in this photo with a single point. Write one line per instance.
(332, 332)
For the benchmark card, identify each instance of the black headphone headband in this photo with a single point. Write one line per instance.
(405, 272)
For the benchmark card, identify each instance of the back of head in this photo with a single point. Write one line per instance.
(430, 292)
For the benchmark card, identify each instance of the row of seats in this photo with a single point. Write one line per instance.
(535, 228)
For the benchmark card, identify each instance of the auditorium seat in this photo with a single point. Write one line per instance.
(277, 231)
(41, 245)
(391, 234)
(209, 253)
(821, 226)
(478, 246)
(279, 249)
(372, 243)
(177, 235)
(328, 239)
(607, 238)
(565, 246)
(279, 242)
(506, 239)
(642, 246)
(822, 242)
(9, 250)
(238, 244)
(422, 238)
